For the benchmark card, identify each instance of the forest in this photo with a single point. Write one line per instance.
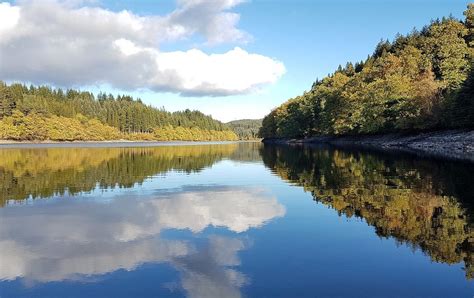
(246, 129)
(44, 113)
(420, 81)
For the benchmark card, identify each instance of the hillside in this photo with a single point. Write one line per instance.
(44, 113)
(417, 82)
(246, 129)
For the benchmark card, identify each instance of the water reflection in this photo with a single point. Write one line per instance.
(419, 202)
(44, 172)
(209, 221)
(78, 238)
(211, 272)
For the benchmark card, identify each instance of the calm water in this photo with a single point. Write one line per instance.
(232, 220)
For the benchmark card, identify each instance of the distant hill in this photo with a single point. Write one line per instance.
(246, 129)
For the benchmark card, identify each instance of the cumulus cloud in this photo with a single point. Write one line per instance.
(69, 45)
(75, 238)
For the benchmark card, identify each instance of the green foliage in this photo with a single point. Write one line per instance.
(420, 81)
(446, 45)
(42, 113)
(37, 127)
(246, 129)
(463, 107)
(169, 133)
(7, 103)
(80, 128)
(469, 14)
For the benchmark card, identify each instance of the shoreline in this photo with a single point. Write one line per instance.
(453, 144)
(8, 142)
(4, 144)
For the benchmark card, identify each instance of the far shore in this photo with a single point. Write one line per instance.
(111, 143)
(62, 142)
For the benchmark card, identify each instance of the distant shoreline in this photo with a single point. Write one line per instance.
(3, 142)
(107, 143)
(453, 144)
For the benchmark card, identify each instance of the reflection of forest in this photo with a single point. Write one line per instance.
(423, 203)
(41, 173)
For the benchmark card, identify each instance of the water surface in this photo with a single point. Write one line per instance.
(233, 220)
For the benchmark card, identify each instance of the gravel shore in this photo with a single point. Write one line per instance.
(454, 144)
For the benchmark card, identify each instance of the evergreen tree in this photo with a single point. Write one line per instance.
(7, 102)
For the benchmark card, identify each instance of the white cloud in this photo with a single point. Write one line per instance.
(9, 16)
(210, 18)
(69, 45)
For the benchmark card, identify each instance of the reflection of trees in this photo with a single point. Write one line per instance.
(247, 152)
(48, 171)
(422, 203)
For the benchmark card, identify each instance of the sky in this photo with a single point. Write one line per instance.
(232, 59)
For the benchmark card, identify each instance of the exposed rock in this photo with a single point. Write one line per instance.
(457, 144)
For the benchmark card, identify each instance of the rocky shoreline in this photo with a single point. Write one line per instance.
(453, 144)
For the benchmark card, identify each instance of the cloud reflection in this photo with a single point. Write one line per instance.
(76, 239)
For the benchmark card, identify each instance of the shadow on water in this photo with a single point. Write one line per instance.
(424, 203)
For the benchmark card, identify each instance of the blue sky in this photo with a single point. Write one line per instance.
(311, 38)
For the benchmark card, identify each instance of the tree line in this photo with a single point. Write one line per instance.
(44, 113)
(420, 81)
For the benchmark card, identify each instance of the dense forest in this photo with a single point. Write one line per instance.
(419, 203)
(246, 129)
(420, 81)
(43, 113)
